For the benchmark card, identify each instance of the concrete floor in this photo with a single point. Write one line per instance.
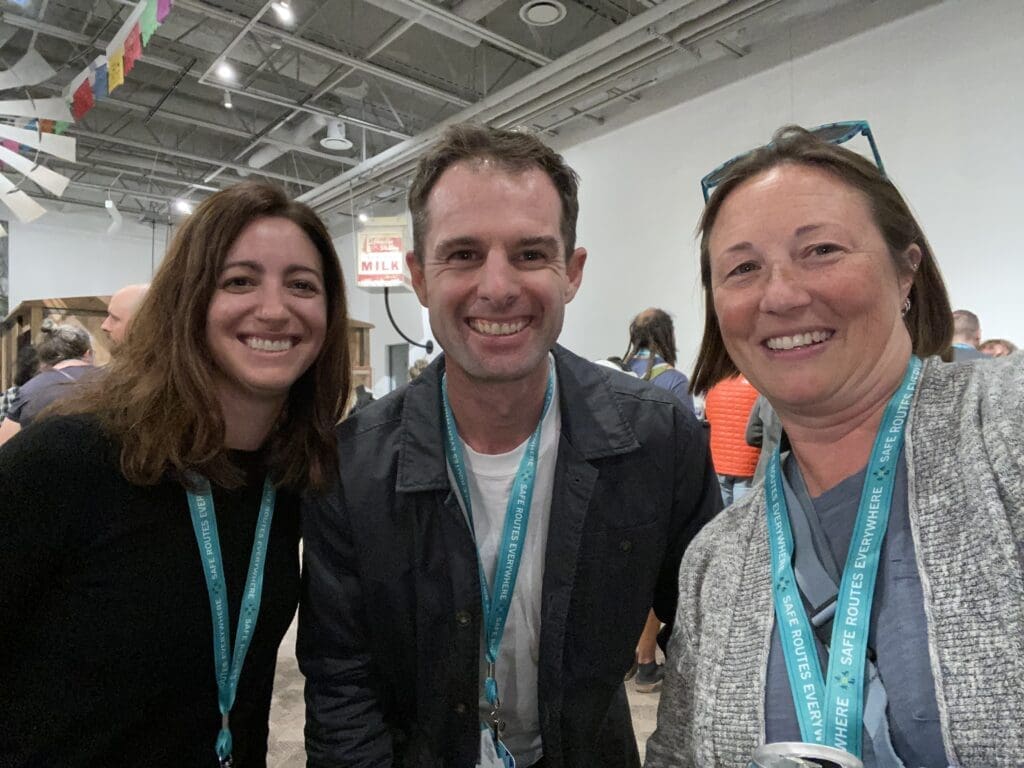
(287, 712)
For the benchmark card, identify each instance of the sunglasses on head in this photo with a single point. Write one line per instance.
(833, 133)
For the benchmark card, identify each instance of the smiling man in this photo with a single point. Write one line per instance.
(477, 581)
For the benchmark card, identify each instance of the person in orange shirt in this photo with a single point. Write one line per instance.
(727, 409)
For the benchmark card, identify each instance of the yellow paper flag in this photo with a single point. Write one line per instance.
(115, 69)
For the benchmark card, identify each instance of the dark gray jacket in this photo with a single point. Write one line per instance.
(389, 630)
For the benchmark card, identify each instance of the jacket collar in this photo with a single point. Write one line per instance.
(591, 421)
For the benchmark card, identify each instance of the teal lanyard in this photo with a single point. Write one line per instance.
(831, 713)
(517, 516)
(229, 665)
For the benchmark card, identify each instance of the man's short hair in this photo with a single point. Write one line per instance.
(512, 151)
(966, 325)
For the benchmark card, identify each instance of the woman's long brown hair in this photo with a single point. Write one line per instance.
(157, 397)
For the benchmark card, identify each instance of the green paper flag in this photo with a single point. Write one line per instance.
(61, 126)
(148, 23)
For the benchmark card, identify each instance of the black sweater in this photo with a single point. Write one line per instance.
(106, 646)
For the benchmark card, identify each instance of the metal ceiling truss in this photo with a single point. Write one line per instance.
(396, 81)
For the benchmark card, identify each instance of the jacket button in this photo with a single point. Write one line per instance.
(461, 708)
(626, 545)
(463, 619)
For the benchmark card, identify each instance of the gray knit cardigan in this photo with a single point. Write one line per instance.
(965, 476)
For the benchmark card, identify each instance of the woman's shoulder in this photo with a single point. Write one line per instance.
(726, 537)
(65, 443)
(992, 387)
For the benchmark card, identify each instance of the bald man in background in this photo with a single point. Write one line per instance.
(120, 309)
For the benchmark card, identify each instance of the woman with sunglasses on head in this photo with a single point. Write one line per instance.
(868, 595)
(149, 530)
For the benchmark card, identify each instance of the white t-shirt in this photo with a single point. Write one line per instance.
(490, 479)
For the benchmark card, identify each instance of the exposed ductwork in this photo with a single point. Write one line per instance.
(302, 133)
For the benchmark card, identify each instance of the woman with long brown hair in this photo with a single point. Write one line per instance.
(149, 527)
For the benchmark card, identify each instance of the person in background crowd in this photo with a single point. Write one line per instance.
(120, 310)
(65, 355)
(997, 348)
(727, 408)
(149, 530)
(421, 644)
(26, 366)
(615, 364)
(867, 592)
(966, 336)
(651, 353)
(418, 367)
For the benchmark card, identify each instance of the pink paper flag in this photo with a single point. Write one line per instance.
(132, 49)
(163, 7)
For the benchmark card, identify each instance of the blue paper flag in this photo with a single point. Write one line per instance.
(99, 86)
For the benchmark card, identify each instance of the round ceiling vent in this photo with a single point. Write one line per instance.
(542, 13)
(335, 140)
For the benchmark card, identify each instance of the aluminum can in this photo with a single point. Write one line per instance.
(796, 754)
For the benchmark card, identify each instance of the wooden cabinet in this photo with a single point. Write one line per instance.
(359, 351)
(23, 326)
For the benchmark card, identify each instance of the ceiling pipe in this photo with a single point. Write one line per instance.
(486, 35)
(438, 26)
(302, 133)
(156, 149)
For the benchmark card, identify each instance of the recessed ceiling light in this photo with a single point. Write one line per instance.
(542, 13)
(364, 217)
(283, 9)
(183, 206)
(225, 71)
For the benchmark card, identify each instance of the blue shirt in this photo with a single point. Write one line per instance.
(899, 629)
(673, 380)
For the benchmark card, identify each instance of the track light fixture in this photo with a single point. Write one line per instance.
(115, 217)
(227, 100)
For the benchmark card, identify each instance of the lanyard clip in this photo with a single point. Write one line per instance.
(496, 723)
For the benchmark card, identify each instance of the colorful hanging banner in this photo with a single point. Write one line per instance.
(106, 73)
(115, 70)
(148, 22)
(132, 48)
(99, 77)
(83, 100)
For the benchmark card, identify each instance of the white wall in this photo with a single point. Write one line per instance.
(64, 254)
(942, 91)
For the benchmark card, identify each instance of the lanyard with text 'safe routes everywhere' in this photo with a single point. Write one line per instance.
(496, 602)
(831, 710)
(229, 665)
